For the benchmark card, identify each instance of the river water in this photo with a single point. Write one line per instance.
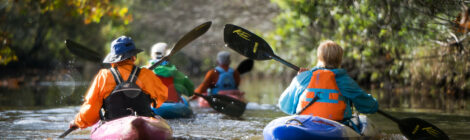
(205, 124)
(35, 113)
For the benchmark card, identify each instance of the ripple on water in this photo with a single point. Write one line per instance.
(29, 121)
(208, 124)
(256, 106)
(205, 124)
(73, 109)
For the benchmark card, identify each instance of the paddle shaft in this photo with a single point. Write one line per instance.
(158, 63)
(186, 39)
(183, 41)
(277, 58)
(203, 96)
(68, 131)
(388, 116)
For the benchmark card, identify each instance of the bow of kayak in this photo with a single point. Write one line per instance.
(133, 127)
(236, 94)
(173, 110)
(311, 127)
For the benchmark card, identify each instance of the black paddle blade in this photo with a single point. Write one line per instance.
(245, 66)
(414, 129)
(83, 52)
(225, 104)
(190, 36)
(246, 43)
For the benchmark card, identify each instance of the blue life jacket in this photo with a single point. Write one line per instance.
(226, 81)
(153, 61)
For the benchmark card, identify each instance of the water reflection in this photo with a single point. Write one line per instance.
(43, 94)
(27, 124)
(23, 114)
(206, 124)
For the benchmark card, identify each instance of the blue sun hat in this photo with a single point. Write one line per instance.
(122, 48)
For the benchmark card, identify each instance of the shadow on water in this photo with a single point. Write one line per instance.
(43, 95)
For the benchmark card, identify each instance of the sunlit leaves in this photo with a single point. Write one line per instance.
(6, 53)
(43, 25)
(91, 10)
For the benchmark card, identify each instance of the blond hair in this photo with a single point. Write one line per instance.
(329, 54)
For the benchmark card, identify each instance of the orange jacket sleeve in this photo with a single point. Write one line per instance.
(89, 111)
(103, 85)
(211, 78)
(206, 83)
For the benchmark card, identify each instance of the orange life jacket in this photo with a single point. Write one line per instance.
(327, 100)
(173, 95)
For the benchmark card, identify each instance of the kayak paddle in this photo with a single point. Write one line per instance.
(245, 66)
(68, 131)
(251, 45)
(254, 47)
(225, 104)
(185, 40)
(415, 128)
(84, 52)
(91, 55)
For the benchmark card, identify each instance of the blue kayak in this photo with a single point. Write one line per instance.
(174, 110)
(299, 127)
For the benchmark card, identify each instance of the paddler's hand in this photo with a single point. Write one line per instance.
(302, 70)
(73, 125)
(194, 97)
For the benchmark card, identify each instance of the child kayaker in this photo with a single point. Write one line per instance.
(122, 90)
(326, 90)
(221, 80)
(177, 83)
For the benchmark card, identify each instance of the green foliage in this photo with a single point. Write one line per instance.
(380, 38)
(6, 54)
(36, 29)
(90, 10)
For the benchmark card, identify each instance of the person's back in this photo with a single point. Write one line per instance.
(326, 90)
(221, 78)
(225, 80)
(178, 84)
(121, 90)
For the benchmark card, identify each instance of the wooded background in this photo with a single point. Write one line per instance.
(408, 50)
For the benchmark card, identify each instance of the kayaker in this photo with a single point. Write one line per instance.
(222, 79)
(326, 90)
(177, 83)
(138, 88)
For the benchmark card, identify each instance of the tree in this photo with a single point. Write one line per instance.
(382, 40)
(32, 26)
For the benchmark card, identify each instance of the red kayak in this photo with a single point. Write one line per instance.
(133, 128)
(237, 94)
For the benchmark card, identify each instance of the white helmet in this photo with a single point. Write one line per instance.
(159, 50)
